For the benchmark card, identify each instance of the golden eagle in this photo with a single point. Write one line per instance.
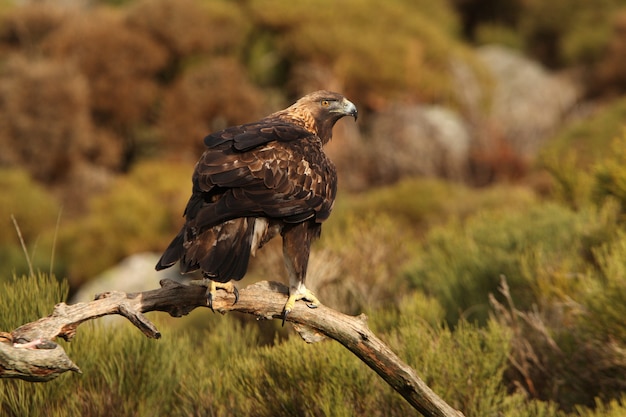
(256, 181)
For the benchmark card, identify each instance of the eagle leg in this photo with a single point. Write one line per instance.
(213, 286)
(296, 248)
(296, 295)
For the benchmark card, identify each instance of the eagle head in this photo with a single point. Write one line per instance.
(322, 109)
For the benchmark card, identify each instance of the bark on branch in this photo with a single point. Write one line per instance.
(29, 352)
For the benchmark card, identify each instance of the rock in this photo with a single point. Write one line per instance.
(528, 102)
(135, 273)
(418, 140)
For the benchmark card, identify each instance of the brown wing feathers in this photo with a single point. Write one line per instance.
(230, 184)
(251, 135)
(222, 251)
(274, 168)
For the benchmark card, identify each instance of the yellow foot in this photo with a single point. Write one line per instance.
(312, 301)
(213, 286)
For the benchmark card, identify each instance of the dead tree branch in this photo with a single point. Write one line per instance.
(30, 353)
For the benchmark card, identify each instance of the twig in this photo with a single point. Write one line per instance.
(19, 235)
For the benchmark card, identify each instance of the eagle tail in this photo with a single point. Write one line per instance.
(222, 252)
(172, 254)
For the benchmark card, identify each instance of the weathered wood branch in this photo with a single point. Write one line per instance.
(30, 353)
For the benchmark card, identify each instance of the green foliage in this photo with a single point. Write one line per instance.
(420, 258)
(412, 201)
(35, 210)
(32, 206)
(561, 32)
(321, 372)
(572, 185)
(571, 156)
(418, 203)
(589, 139)
(614, 408)
(471, 382)
(139, 213)
(123, 370)
(225, 369)
(372, 238)
(605, 297)
(461, 263)
(567, 346)
(27, 298)
(564, 22)
(610, 175)
(350, 42)
(368, 253)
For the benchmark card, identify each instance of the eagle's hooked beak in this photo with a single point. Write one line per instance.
(349, 109)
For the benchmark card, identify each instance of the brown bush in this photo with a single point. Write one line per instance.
(119, 63)
(26, 27)
(185, 27)
(44, 117)
(214, 95)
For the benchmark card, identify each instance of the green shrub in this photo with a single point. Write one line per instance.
(567, 346)
(349, 43)
(462, 262)
(610, 175)
(35, 210)
(589, 139)
(373, 237)
(224, 370)
(141, 212)
(605, 297)
(571, 184)
(330, 381)
(420, 203)
(559, 33)
(470, 381)
(27, 298)
(122, 369)
(614, 408)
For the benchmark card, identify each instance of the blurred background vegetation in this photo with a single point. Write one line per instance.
(480, 222)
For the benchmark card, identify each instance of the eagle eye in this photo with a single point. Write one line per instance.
(325, 103)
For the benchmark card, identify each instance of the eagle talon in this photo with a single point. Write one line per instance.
(212, 288)
(285, 312)
(209, 300)
(306, 295)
